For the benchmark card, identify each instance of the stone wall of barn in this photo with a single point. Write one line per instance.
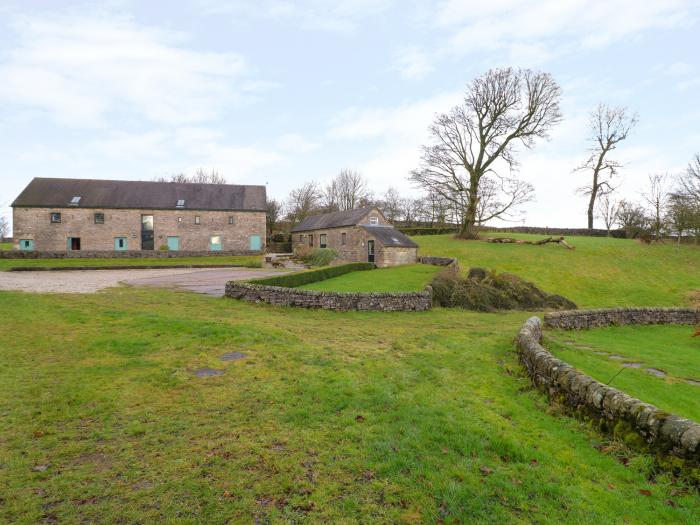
(35, 224)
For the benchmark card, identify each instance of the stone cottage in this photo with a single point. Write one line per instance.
(361, 235)
(116, 215)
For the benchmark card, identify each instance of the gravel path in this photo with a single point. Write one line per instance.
(209, 281)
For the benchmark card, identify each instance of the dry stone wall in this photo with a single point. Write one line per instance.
(340, 301)
(584, 319)
(671, 435)
(438, 261)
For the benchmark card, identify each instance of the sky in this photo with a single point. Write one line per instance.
(280, 93)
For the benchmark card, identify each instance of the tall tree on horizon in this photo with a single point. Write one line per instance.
(502, 109)
(608, 127)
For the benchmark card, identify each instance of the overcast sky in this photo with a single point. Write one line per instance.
(279, 93)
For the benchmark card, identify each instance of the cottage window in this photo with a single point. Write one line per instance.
(322, 240)
(179, 220)
(343, 238)
(55, 217)
(374, 220)
(231, 220)
(311, 239)
(197, 219)
(301, 237)
(99, 218)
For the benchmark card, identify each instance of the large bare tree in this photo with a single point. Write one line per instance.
(608, 127)
(502, 109)
(303, 201)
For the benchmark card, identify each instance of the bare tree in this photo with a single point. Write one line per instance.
(500, 197)
(632, 218)
(608, 126)
(273, 213)
(347, 191)
(656, 196)
(4, 227)
(690, 180)
(199, 177)
(391, 205)
(502, 109)
(608, 210)
(303, 201)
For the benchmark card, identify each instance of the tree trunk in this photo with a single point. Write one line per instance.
(591, 205)
(469, 227)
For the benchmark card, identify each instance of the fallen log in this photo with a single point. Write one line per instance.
(510, 240)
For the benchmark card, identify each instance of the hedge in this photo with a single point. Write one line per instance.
(293, 280)
(427, 231)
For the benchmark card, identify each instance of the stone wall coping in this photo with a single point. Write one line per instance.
(665, 432)
(328, 300)
(600, 317)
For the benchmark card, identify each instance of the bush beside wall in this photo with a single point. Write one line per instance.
(293, 280)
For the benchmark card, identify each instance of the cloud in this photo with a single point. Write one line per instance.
(532, 33)
(413, 63)
(82, 70)
(310, 15)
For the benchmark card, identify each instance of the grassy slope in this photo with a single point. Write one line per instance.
(668, 348)
(407, 278)
(5, 245)
(252, 261)
(355, 417)
(600, 272)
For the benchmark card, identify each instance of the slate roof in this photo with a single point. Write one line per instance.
(336, 219)
(93, 193)
(389, 236)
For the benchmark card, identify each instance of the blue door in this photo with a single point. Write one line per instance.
(173, 244)
(26, 245)
(121, 244)
(255, 243)
(215, 243)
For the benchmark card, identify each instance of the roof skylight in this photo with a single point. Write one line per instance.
(180, 203)
(75, 200)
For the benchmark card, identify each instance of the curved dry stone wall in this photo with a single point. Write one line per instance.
(438, 261)
(584, 319)
(616, 412)
(340, 301)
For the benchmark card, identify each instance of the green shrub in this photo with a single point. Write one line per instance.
(163, 248)
(321, 257)
(293, 280)
(443, 285)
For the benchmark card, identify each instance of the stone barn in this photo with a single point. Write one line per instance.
(53, 214)
(361, 235)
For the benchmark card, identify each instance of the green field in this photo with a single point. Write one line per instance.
(5, 245)
(408, 278)
(357, 417)
(601, 272)
(670, 349)
(250, 261)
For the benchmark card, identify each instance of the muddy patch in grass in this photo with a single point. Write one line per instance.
(207, 372)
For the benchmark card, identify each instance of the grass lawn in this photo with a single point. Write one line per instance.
(601, 272)
(666, 348)
(408, 278)
(5, 245)
(360, 417)
(250, 261)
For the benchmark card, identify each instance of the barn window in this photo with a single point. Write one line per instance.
(99, 218)
(55, 217)
(322, 240)
(197, 219)
(311, 239)
(343, 238)
(231, 220)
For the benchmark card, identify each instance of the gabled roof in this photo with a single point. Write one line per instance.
(93, 193)
(389, 236)
(336, 219)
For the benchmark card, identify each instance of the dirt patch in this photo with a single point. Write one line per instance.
(633, 365)
(656, 372)
(208, 372)
(233, 356)
(694, 298)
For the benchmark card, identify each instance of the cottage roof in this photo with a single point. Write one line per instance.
(93, 193)
(389, 236)
(336, 219)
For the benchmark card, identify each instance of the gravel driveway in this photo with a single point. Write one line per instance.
(209, 281)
